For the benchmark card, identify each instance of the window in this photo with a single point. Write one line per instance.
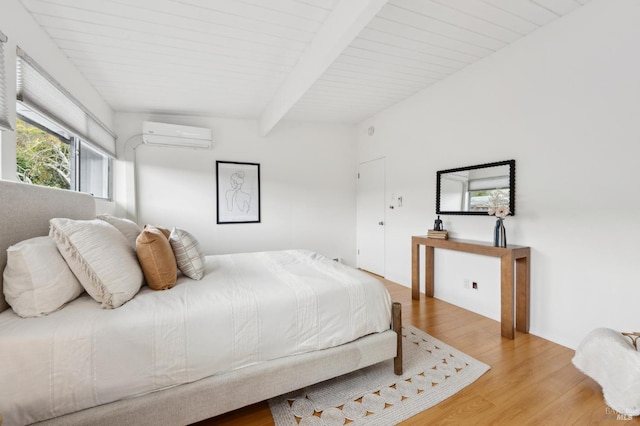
(480, 201)
(42, 157)
(486, 192)
(59, 142)
(45, 157)
(93, 171)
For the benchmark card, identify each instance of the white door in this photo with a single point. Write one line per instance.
(370, 216)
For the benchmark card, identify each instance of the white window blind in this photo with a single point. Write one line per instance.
(4, 110)
(45, 96)
(497, 182)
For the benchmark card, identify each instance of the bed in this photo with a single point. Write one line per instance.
(151, 360)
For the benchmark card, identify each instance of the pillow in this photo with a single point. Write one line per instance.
(37, 280)
(188, 254)
(101, 257)
(156, 258)
(129, 229)
(164, 231)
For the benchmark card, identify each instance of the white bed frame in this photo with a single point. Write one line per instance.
(25, 211)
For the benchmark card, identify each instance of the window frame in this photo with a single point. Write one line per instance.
(76, 150)
(76, 145)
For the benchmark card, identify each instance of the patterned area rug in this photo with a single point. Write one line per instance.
(433, 371)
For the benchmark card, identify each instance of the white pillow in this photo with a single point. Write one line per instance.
(101, 257)
(129, 228)
(37, 280)
(187, 252)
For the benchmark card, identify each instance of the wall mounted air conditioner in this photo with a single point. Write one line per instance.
(175, 135)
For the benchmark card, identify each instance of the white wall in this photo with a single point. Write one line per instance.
(23, 31)
(563, 102)
(307, 176)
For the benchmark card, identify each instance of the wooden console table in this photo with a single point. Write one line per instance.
(514, 261)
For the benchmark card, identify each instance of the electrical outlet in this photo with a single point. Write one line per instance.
(467, 283)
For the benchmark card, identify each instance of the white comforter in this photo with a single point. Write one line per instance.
(248, 308)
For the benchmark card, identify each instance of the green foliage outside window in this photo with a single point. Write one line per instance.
(42, 158)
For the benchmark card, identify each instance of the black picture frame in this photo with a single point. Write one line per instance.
(237, 192)
(511, 167)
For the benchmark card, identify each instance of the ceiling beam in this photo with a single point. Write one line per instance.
(344, 23)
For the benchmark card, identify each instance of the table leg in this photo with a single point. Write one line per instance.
(522, 294)
(506, 296)
(415, 271)
(429, 271)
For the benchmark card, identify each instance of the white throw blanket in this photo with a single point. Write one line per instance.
(610, 359)
(249, 308)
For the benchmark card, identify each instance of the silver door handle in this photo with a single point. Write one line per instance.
(381, 223)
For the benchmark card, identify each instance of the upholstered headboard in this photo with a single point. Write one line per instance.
(25, 211)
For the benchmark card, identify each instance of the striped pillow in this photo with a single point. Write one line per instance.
(188, 254)
(100, 257)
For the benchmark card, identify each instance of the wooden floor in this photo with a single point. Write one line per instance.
(531, 381)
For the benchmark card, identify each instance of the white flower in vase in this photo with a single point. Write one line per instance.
(498, 209)
(501, 211)
(496, 205)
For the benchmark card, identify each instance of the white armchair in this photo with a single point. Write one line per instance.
(612, 360)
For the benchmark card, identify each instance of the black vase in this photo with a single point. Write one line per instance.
(499, 234)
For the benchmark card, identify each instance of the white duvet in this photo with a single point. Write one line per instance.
(247, 309)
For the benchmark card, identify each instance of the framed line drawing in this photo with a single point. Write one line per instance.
(238, 192)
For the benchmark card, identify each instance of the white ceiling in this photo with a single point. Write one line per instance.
(317, 60)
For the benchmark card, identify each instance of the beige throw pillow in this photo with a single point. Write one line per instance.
(129, 228)
(101, 257)
(188, 253)
(37, 280)
(156, 258)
